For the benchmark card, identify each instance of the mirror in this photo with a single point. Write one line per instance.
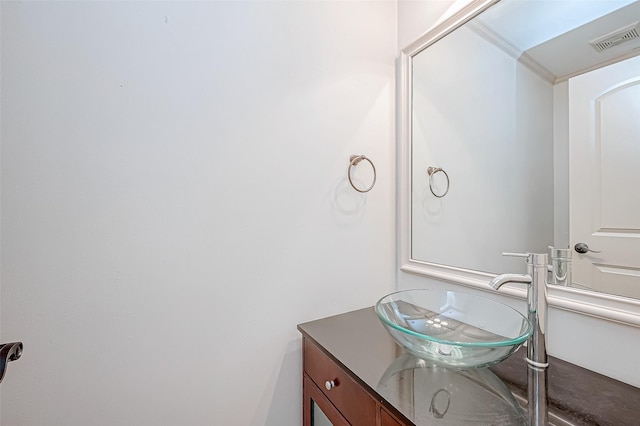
(496, 103)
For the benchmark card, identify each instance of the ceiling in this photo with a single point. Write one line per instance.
(556, 35)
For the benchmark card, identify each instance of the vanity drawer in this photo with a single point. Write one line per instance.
(346, 395)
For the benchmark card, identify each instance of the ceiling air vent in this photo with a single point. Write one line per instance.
(628, 33)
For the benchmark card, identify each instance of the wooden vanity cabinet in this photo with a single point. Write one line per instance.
(387, 420)
(331, 396)
(317, 409)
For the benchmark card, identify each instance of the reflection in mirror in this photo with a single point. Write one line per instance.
(532, 109)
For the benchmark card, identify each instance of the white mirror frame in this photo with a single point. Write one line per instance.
(609, 307)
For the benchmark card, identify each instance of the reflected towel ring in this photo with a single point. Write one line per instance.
(354, 160)
(444, 401)
(432, 171)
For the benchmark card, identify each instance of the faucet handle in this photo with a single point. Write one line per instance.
(532, 258)
(525, 255)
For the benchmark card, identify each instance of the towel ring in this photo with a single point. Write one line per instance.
(354, 160)
(432, 171)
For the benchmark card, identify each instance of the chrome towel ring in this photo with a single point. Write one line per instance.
(432, 171)
(354, 160)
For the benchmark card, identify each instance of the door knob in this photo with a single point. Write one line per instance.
(8, 352)
(583, 248)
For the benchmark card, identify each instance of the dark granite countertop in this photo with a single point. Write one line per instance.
(423, 394)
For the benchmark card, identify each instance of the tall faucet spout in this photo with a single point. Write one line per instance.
(536, 345)
(500, 280)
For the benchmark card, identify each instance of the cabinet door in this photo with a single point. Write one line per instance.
(317, 409)
(387, 420)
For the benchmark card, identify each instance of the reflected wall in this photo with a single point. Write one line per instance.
(487, 120)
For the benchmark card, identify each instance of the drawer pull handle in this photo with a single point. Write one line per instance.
(330, 384)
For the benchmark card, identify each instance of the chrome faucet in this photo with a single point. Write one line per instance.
(537, 364)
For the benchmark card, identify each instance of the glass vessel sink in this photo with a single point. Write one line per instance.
(452, 328)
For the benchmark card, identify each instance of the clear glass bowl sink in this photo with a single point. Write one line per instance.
(452, 328)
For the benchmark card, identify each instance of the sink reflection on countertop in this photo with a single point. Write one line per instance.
(431, 394)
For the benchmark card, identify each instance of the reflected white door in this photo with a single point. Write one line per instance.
(604, 140)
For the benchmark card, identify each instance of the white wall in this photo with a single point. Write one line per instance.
(605, 347)
(1, 339)
(560, 161)
(416, 17)
(174, 202)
